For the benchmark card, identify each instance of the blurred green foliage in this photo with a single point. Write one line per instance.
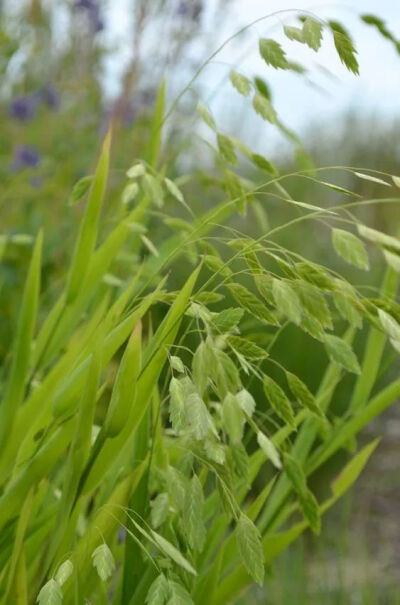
(55, 109)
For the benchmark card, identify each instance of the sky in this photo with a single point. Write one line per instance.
(328, 89)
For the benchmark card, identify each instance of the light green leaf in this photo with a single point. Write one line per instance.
(179, 594)
(278, 400)
(264, 108)
(227, 320)
(80, 189)
(249, 544)
(252, 304)
(240, 82)
(261, 162)
(206, 116)
(272, 53)
(158, 591)
(302, 394)
(129, 192)
(150, 246)
(341, 353)
(313, 301)
(345, 299)
(315, 274)
(215, 451)
(174, 190)
(177, 407)
(193, 515)
(286, 300)
(393, 260)
(50, 594)
(64, 572)
(198, 416)
(246, 402)
(240, 461)
(377, 237)
(177, 485)
(153, 189)
(369, 177)
(224, 373)
(312, 33)
(236, 190)
(232, 418)
(350, 248)
(391, 327)
(103, 561)
(216, 264)
(247, 348)
(136, 171)
(159, 510)
(177, 364)
(269, 450)
(227, 148)
(172, 552)
(201, 363)
(294, 33)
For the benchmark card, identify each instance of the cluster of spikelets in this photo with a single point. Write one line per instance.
(169, 459)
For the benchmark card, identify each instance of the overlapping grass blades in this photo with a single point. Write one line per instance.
(153, 428)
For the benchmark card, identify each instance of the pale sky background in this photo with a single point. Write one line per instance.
(376, 91)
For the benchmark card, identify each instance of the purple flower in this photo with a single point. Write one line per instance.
(192, 9)
(25, 156)
(36, 182)
(23, 108)
(50, 97)
(92, 10)
(129, 114)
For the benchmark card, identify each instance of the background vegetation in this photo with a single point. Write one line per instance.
(56, 109)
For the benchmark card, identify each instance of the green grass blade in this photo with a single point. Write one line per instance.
(22, 349)
(164, 336)
(156, 126)
(89, 227)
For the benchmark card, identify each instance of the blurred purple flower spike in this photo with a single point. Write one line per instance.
(49, 95)
(93, 12)
(23, 108)
(190, 8)
(36, 182)
(25, 156)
